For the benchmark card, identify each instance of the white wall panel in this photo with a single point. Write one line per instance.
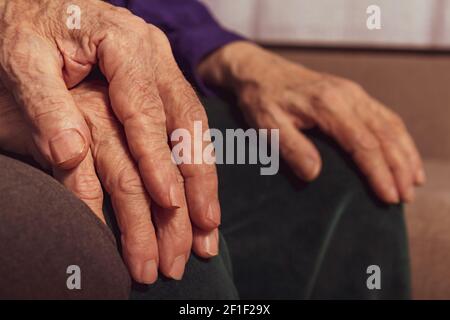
(405, 23)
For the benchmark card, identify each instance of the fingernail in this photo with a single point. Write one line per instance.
(213, 213)
(420, 177)
(177, 270)
(393, 195)
(211, 243)
(311, 166)
(175, 197)
(149, 272)
(67, 145)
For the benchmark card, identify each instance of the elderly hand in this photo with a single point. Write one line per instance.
(143, 247)
(40, 57)
(276, 93)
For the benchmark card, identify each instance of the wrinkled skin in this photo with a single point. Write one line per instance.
(109, 157)
(276, 93)
(40, 58)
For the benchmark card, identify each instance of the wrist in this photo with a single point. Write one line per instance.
(227, 66)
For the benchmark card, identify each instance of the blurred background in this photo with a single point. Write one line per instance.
(405, 64)
(405, 23)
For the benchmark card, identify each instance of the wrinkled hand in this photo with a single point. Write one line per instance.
(276, 93)
(40, 57)
(147, 240)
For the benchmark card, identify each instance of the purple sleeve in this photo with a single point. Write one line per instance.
(192, 31)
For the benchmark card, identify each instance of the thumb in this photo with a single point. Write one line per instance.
(33, 72)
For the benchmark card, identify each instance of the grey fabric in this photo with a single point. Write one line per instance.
(43, 230)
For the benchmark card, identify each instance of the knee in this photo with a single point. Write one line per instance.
(365, 231)
(44, 230)
(342, 177)
(358, 211)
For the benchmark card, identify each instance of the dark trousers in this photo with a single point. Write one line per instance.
(284, 239)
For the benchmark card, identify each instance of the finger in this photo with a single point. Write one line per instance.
(174, 233)
(132, 208)
(121, 180)
(365, 149)
(188, 128)
(140, 110)
(205, 243)
(83, 182)
(400, 169)
(395, 152)
(406, 143)
(34, 74)
(136, 102)
(415, 158)
(297, 150)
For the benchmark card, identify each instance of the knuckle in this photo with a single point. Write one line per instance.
(159, 153)
(41, 107)
(192, 111)
(365, 143)
(148, 117)
(14, 43)
(128, 182)
(325, 95)
(148, 130)
(154, 115)
(123, 22)
(146, 99)
(87, 186)
(156, 33)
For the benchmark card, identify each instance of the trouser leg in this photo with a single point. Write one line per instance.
(44, 229)
(293, 240)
